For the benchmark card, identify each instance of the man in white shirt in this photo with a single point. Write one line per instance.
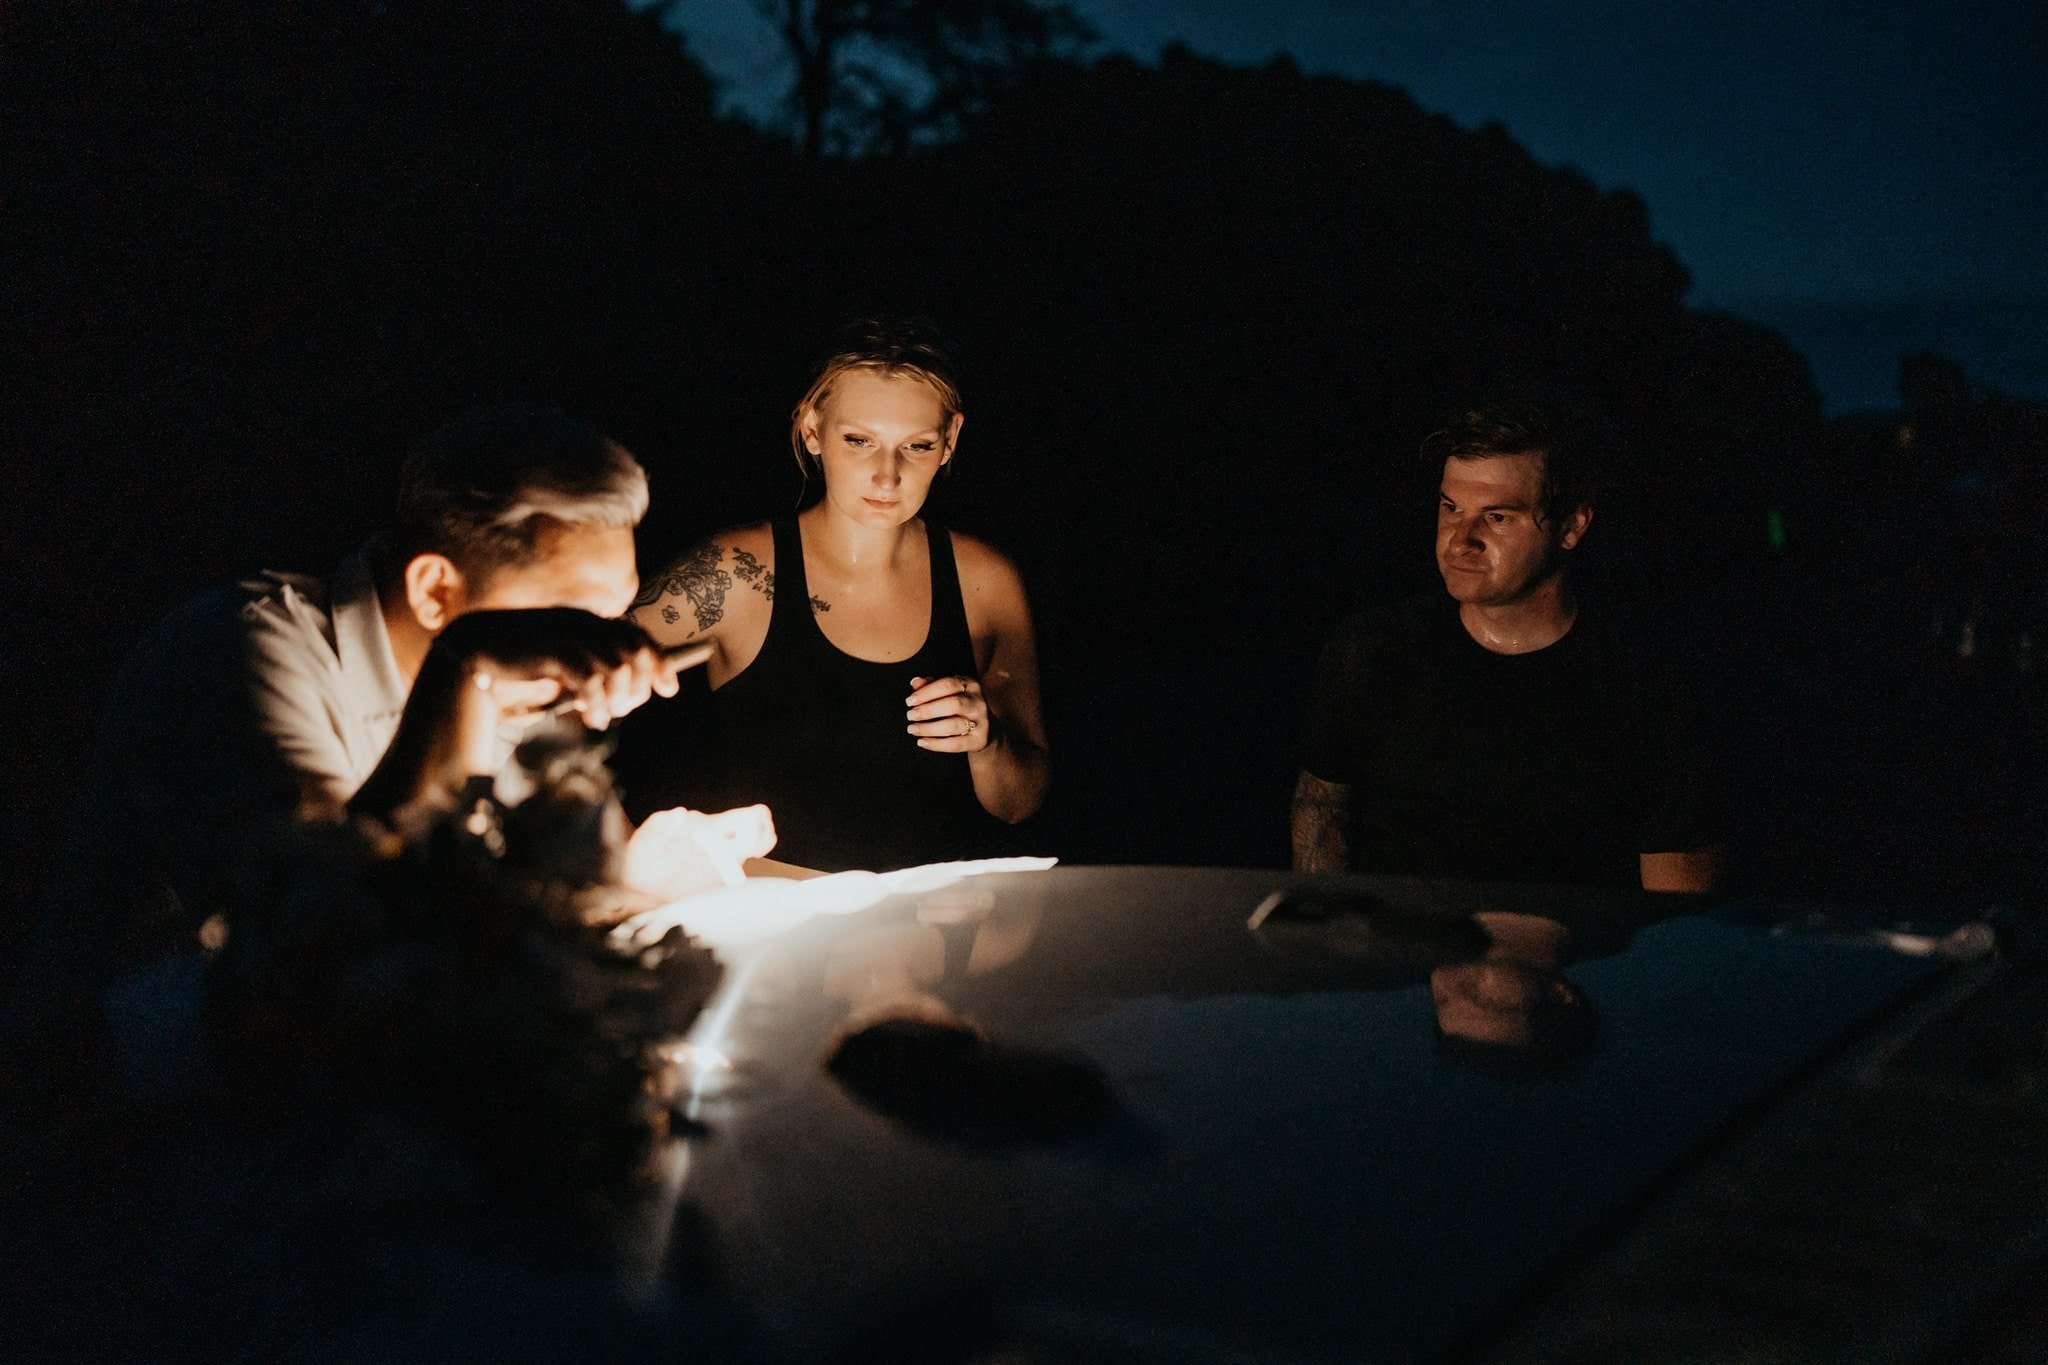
(379, 691)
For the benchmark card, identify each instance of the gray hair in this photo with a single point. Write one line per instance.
(483, 487)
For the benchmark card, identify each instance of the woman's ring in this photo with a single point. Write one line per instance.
(971, 724)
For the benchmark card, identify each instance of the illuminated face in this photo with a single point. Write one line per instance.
(1491, 547)
(880, 440)
(591, 567)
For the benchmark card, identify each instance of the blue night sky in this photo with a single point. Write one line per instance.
(1868, 175)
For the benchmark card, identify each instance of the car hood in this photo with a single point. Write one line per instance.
(1186, 1139)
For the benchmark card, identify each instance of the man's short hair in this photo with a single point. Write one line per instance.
(1574, 440)
(483, 487)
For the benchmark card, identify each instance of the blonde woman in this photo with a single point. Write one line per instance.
(873, 674)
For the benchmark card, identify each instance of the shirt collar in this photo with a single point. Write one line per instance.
(361, 641)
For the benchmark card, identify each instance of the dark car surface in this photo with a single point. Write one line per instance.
(1091, 1114)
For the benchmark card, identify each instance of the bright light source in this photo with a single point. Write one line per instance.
(725, 918)
(676, 853)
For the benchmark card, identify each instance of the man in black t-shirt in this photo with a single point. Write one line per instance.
(1502, 732)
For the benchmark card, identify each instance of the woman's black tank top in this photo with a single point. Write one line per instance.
(821, 736)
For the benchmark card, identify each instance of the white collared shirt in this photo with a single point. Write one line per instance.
(323, 684)
(253, 701)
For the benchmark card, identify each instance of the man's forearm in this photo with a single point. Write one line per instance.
(1693, 869)
(490, 664)
(1321, 824)
(444, 736)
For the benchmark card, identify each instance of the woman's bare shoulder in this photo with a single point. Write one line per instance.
(983, 567)
(757, 538)
(991, 588)
(692, 593)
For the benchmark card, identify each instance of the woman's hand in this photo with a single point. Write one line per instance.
(951, 716)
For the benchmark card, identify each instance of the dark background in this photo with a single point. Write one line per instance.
(1204, 315)
(1866, 175)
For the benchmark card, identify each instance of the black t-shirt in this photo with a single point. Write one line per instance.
(1560, 765)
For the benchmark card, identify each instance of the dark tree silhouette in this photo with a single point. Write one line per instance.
(881, 75)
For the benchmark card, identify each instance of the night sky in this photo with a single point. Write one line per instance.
(1868, 175)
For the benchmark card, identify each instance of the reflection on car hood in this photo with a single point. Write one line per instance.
(1293, 1164)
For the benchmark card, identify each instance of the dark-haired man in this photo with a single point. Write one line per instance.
(379, 690)
(1502, 732)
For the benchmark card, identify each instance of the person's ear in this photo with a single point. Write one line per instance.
(807, 426)
(434, 590)
(953, 436)
(1575, 527)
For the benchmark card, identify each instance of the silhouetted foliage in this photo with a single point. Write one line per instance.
(1931, 384)
(880, 75)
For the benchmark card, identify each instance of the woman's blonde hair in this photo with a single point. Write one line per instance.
(886, 347)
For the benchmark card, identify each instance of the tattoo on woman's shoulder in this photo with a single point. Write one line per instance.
(697, 577)
(819, 604)
(753, 573)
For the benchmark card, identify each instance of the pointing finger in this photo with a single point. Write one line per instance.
(674, 661)
(596, 706)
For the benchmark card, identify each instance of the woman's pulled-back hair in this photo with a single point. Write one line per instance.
(482, 487)
(887, 346)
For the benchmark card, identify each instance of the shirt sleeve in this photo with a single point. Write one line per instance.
(297, 736)
(1325, 750)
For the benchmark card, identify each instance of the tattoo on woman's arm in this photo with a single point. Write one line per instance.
(697, 577)
(753, 573)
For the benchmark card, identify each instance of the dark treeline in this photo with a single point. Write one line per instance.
(1205, 315)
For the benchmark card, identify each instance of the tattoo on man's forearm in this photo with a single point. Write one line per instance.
(753, 573)
(1321, 825)
(695, 576)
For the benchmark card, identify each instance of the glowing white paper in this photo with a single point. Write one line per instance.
(725, 918)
